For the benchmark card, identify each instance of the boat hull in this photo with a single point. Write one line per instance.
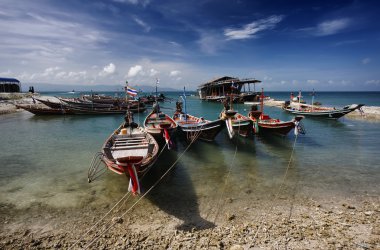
(113, 151)
(282, 128)
(206, 131)
(329, 114)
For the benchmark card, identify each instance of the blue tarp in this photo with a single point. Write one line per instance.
(8, 80)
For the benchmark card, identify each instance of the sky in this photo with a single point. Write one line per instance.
(288, 45)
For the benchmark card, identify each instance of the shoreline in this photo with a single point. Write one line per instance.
(371, 113)
(294, 222)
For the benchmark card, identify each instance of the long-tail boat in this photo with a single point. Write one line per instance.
(312, 110)
(235, 122)
(131, 151)
(264, 124)
(196, 127)
(160, 125)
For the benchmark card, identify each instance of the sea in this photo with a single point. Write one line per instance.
(45, 159)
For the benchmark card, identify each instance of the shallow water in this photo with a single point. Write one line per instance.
(44, 160)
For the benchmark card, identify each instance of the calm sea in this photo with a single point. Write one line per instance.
(44, 160)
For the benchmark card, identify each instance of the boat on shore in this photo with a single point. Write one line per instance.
(298, 108)
(131, 151)
(194, 127)
(43, 110)
(264, 124)
(235, 122)
(219, 89)
(94, 109)
(160, 125)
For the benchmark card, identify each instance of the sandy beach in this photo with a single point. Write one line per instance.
(290, 221)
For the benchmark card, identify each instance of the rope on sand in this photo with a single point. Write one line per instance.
(277, 193)
(148, 191)
(126, 197)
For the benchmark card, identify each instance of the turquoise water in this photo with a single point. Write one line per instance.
(44, 160)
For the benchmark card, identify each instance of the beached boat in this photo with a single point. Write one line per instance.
(298, 108)
(160, 125)
(196, 127)
(235, 122)
(323, 112)
(87, 109)
(43, 110)
(220, 88)
(131, 151)
(264, 124)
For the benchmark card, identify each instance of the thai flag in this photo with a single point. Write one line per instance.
(131, 91)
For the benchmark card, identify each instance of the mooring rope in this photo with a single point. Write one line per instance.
(126, 195)
(219, 203)
(147, 192)
(262, 218)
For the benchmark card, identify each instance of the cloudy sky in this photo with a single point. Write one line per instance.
(289, 45)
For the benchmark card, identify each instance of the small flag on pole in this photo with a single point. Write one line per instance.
(131, 91)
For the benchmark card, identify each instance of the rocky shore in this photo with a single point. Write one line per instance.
(285, 223)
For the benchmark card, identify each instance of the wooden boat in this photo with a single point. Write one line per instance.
(131, 151)
(264, 124)
(50, 104)
(43, 110)
(235, 122)
(160, 125)
(196, 128)
(92, 110)
(299, 108)
(322, 112)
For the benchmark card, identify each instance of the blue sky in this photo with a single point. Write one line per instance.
(289, 45)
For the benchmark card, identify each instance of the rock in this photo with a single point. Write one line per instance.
(117, 220)
(236, 247)
(368, 213)
(230, 217)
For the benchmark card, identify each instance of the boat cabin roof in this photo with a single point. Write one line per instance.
(227, 80)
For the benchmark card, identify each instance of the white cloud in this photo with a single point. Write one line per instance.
(6, 73)
(249, 30)
(174, 73)
(145, 26)
(153, 72)
(210, 42)
(134, 2)
(108, 70)
(133, 71)
(267, 78)
(50, 71)
(375, 82)
(312, 81)
(332, 26)
(366, 60)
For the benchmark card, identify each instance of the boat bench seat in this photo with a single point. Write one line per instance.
(126, 143)
(134, 136)
(140, 146)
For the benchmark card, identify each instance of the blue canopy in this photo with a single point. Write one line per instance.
(8, 80)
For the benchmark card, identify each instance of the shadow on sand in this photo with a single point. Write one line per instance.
(175, 193)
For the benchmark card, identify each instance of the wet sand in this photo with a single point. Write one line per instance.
(291, 220)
